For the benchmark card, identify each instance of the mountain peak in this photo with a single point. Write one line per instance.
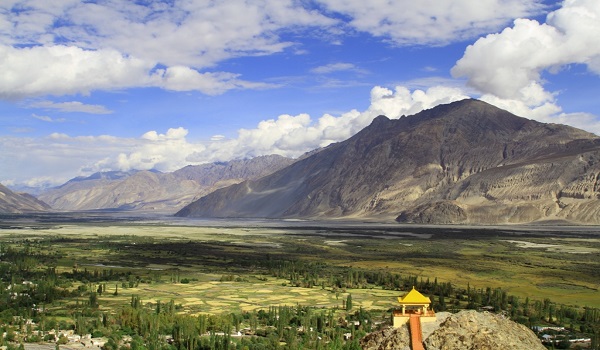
(380, 120)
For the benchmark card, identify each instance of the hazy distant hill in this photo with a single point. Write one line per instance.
(464, 162)
(12, 202)
(152, 190)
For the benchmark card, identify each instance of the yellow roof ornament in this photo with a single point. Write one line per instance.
(414, 297)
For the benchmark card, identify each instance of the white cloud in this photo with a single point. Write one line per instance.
(509, 64)
(164, 32)
(72, 106)
(336, 67)
(62, 70)
(48, 119)
(66, 156)
(163, 152)
(66, 70)
(547, 112)
(172, 134)
(182, 78)
(507, 67)
(407, 22)
(42, 181)
(72, 47)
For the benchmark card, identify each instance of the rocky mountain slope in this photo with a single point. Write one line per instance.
(468, 330)
(155, 191)
(12, 202)
(466, 162)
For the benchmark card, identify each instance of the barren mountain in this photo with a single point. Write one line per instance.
(468, 330)
(155, 191)
(464, 162)
(12, 202)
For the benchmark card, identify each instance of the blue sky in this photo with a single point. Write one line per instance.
(102, 85)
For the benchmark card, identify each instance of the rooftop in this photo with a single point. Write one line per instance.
(414, 297)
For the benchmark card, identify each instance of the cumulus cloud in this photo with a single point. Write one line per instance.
(172, 134)
(507, 67)
(153, 150)
(407, 22)
(67, 70)
(509, 64)
(62, 70)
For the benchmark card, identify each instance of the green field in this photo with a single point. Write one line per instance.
(560, 264)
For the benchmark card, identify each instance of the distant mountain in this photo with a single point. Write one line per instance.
(105, 175)
(236, 170)
(464, 162)
(32, 190)
(12, 202)
(155, 191)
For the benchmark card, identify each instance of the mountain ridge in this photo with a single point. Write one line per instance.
(151, 190)
(410, 168)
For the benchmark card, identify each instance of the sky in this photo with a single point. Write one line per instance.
(102, 85)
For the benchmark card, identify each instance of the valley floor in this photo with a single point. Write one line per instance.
(101, 263)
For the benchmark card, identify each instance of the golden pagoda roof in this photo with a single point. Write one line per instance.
(414, 297)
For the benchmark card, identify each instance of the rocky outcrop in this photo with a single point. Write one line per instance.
(444, 212)
(389, 338)
(468, 330)
(156, 191)
(465, 162)
(481, 330)
(12, 202)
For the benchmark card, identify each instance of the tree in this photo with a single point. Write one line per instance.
(93, 300)
(349, 302)
(441, 302)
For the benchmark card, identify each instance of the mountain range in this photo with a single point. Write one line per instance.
(466, 162)
(153, 190)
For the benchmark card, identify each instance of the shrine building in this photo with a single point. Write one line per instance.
(416, 304)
